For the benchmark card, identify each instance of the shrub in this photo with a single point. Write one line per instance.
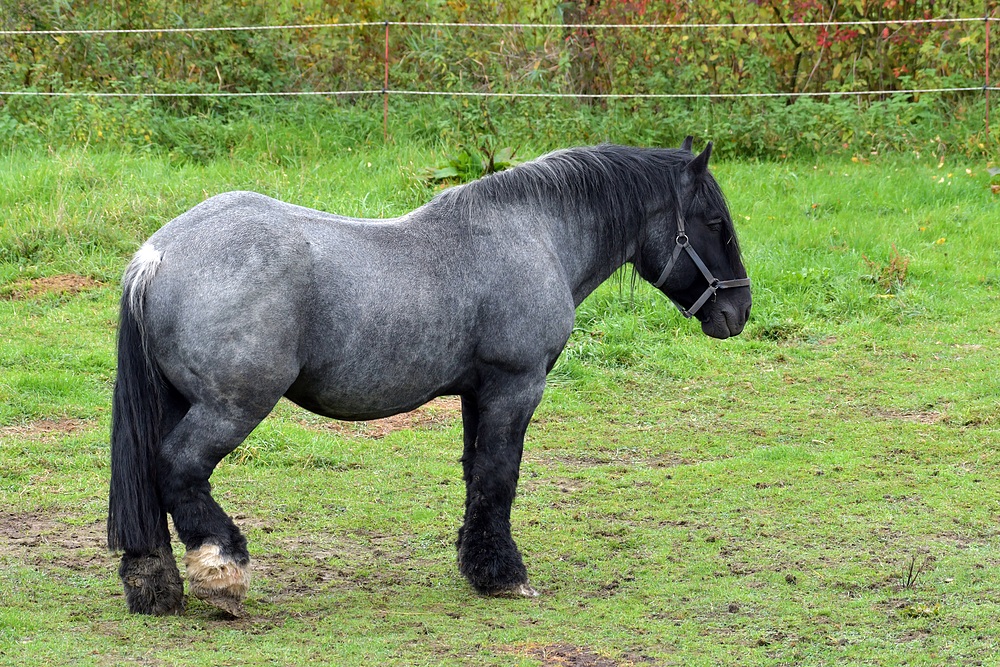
(879, 55)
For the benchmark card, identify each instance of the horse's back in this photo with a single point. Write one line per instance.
(233, 248)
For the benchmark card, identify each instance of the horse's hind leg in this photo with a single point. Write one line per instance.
(149, 576)
(152, 581)
(217, 561)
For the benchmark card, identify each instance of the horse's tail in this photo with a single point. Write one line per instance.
(137, 522)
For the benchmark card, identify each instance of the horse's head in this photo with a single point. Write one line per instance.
(691, 253)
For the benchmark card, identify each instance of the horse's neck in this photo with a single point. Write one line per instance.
(589, 247)
(590, 250)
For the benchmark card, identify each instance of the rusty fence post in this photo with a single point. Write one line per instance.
(385, 88)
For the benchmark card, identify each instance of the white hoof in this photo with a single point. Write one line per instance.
(519, 591)
(524, 590)
(217, 579)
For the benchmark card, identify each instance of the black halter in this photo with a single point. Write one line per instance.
(714, 284)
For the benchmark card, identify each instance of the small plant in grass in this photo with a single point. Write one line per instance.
(483, 154)
(908, 580)
(777, 330)
(469, 164)
(889, 276)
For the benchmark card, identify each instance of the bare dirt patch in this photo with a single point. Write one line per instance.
(443, 411)
(915, 416)
(611, 457)
(44, 538)
(292, 567)
(46, 428)
(567, 655)
(66, 284)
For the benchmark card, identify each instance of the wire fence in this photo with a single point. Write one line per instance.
(450, 24)
(502, 94)
(386, 90)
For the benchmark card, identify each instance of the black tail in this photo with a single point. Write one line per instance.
(137, 522)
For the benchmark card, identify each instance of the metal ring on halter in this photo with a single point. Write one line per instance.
(681, 243)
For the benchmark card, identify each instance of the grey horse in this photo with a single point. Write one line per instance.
(245, 299)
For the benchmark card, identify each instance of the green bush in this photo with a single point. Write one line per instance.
(880, 55)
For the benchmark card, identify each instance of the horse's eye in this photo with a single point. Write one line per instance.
(715, 224)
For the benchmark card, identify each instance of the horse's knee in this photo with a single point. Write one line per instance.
(218, 578)
(152, 583)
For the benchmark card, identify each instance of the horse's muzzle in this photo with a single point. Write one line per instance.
(727, 319)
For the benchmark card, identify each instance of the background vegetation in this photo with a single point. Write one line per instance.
(880, 55)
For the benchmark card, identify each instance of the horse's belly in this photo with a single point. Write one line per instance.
(361, 394)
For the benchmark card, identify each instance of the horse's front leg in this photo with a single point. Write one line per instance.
(499, 415)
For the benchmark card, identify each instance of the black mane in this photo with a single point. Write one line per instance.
(614, 182)
(610, 182)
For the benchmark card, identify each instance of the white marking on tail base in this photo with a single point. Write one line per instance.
(138, 274)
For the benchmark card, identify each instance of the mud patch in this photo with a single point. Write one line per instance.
(66, 284)
(617, 457)
(290, 566)
(914, 636)
(45, 428)
(53, 540)
(443, 411)
(567, 655)
(915, 416)
(529, 485)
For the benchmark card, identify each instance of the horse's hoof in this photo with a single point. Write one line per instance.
(519, 591)
(491, 563)
(229, 605)
(524, 590)
(217, 578)
(152, 583)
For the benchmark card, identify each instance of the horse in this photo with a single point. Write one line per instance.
(244, 299)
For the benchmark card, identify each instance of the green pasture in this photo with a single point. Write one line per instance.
(819, 490)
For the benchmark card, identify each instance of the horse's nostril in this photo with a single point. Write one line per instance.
(746, 313)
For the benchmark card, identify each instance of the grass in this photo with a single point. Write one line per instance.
(766, 500)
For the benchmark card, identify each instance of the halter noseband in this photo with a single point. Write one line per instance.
(714, 284)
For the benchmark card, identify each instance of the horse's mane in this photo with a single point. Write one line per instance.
(614, 183)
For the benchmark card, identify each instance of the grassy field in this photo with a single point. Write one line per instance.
(820, 490)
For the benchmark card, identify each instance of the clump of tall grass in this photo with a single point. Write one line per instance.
(891, 275)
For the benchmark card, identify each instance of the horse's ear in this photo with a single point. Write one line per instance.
(699, 165)
(687, 143)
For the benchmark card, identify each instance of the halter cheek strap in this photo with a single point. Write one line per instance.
(714, 284)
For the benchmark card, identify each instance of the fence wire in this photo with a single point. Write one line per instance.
(525, 26)
(545, 26)
(442, 93)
